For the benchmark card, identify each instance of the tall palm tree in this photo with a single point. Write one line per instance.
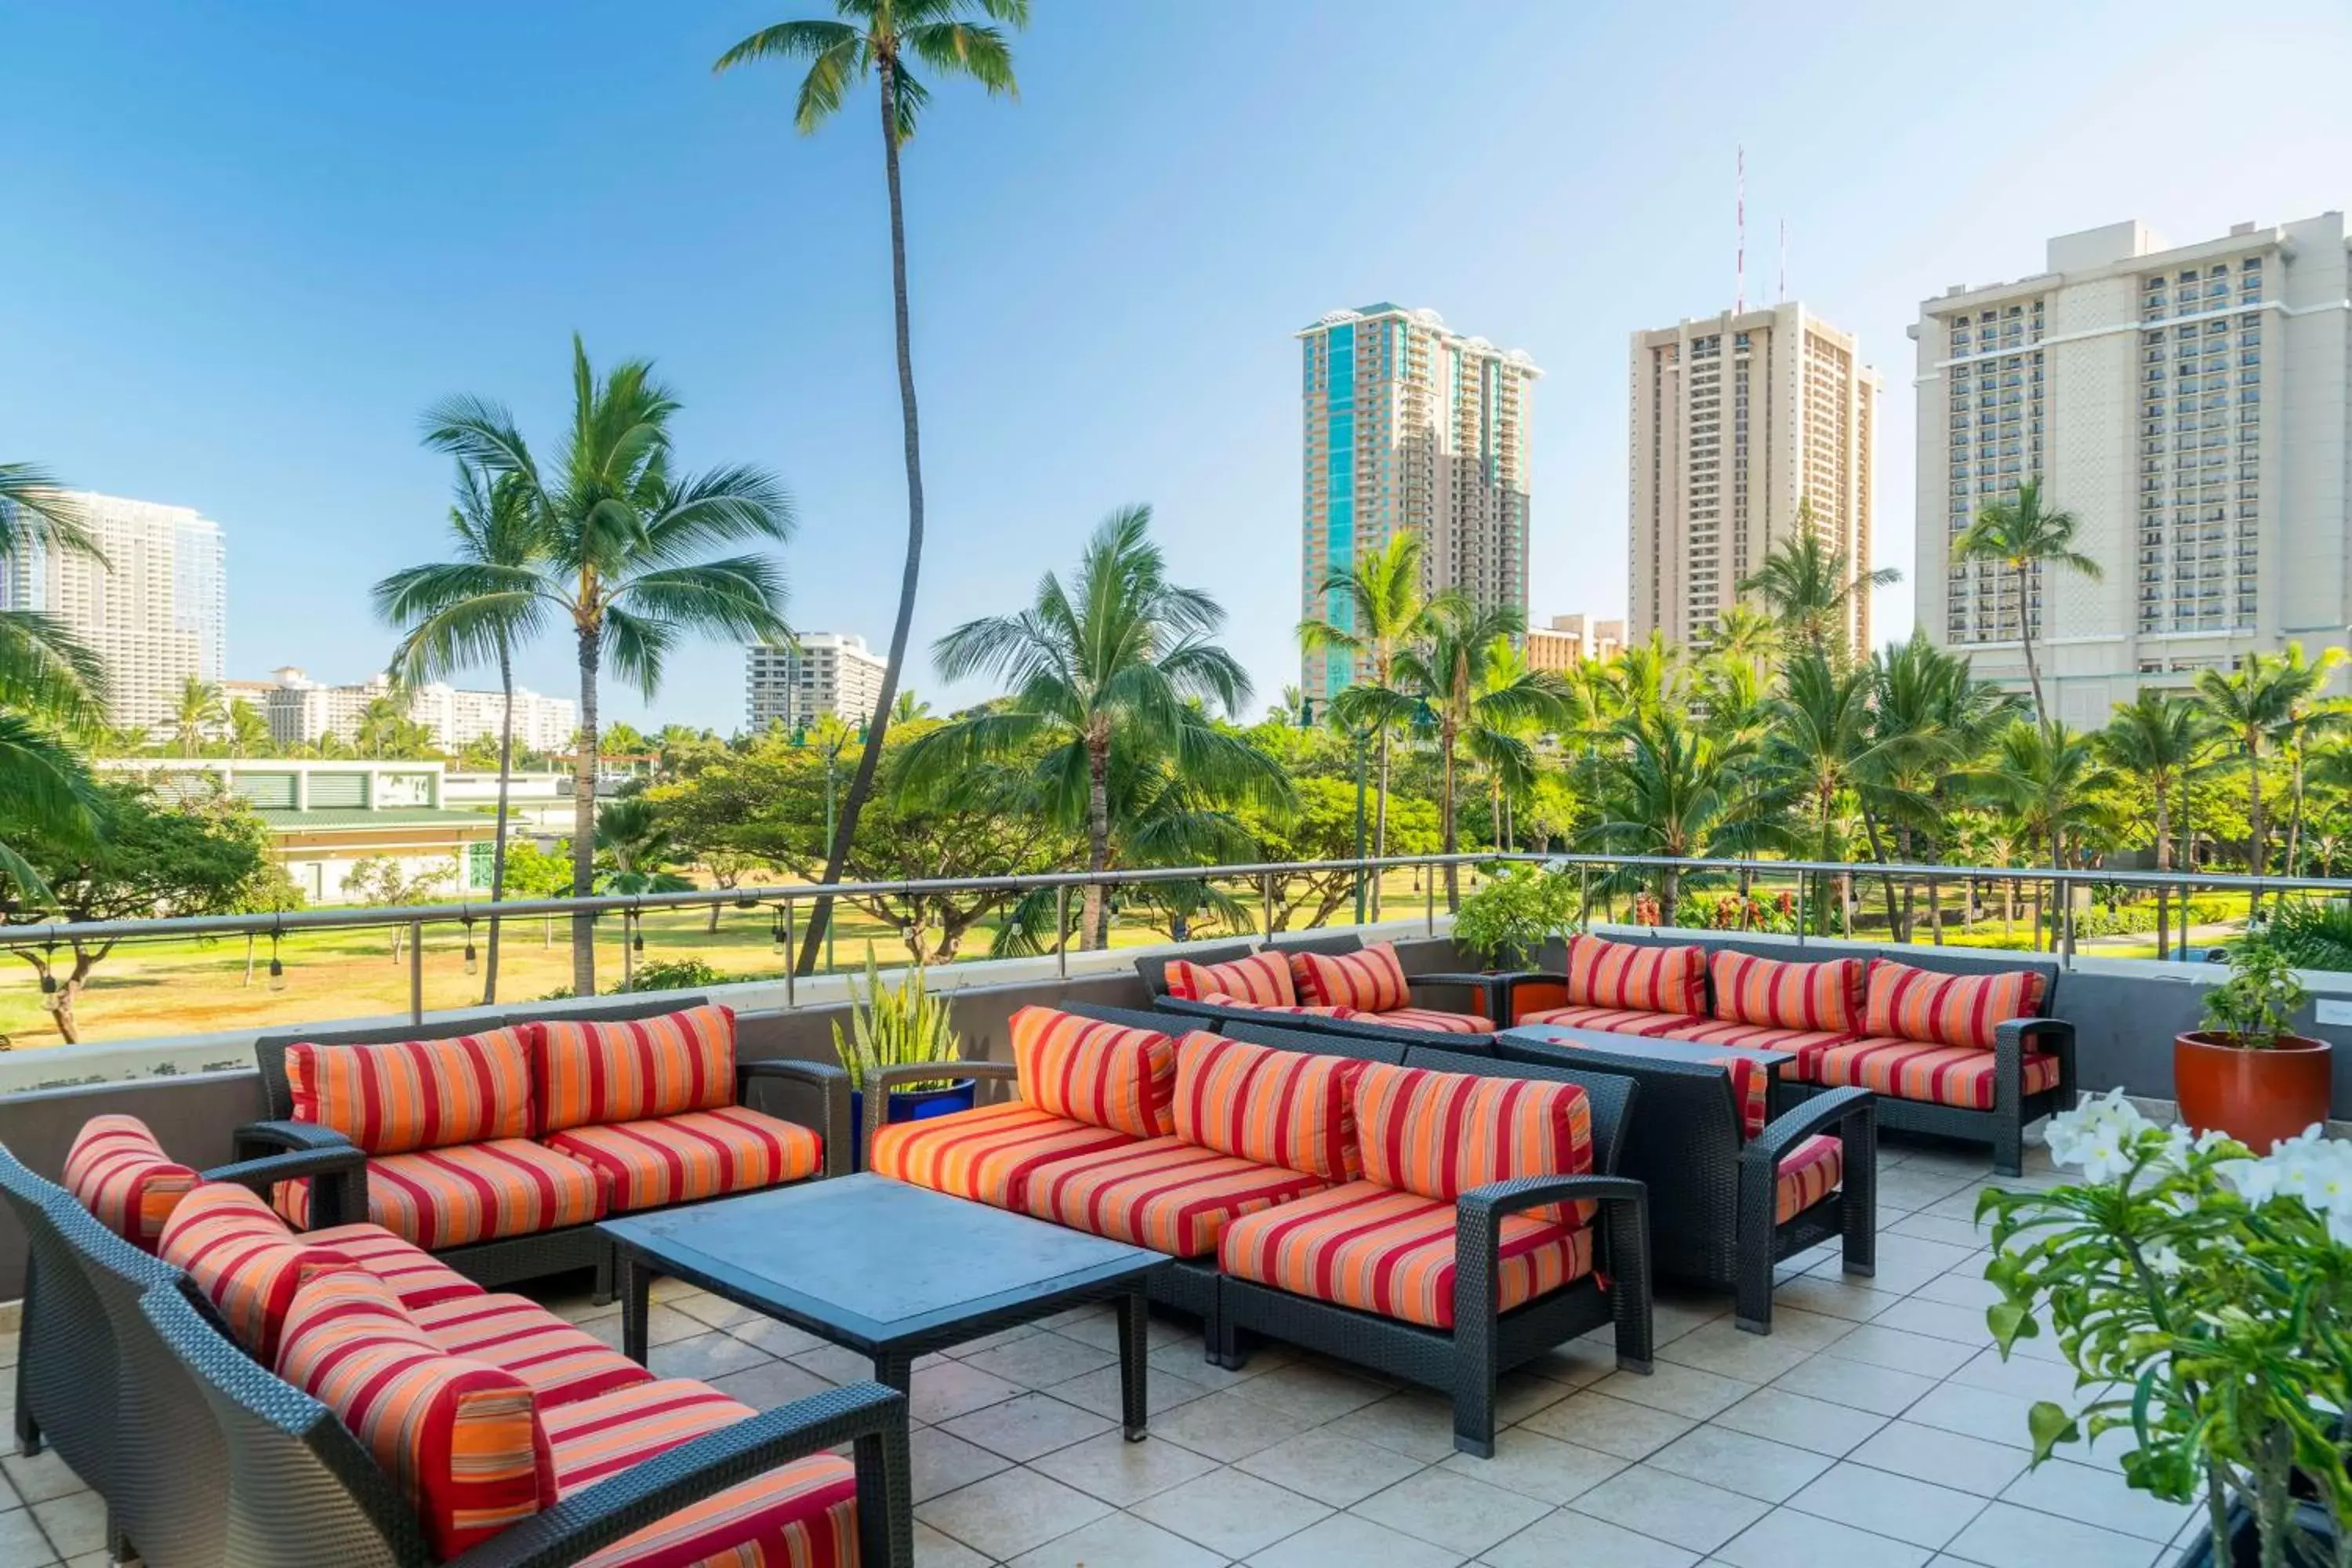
(479, 605)
(1450, 676)
(1930, 718)
(382, 727)
(1375, 609)
(1821, 738)
(248, 730)
(2049, 777)
(1811, 590)
(620, 559)
(54, 693)
(2021, 535)
(1672, 790)
(1105, 674)
(196, 712)
(1745, 635)
(2157, 739)
(2253, 703)
(883, 38)
(906, 707)
(1502, 747)
(637, 846)
(2309, 718)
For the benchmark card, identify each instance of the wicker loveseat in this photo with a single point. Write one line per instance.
(500, 1150)
(1950, 1046)
(1320, 984)
(1286, 1179)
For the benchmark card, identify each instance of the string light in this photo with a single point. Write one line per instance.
(277, 965)
(473, 962)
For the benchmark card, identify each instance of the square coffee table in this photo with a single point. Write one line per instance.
(885, 1269)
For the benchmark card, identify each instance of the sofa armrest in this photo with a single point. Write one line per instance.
(2010, 1041)
(1189, 1007)
(1816, 1113)
(1531, 993)
(338, 1176)
(832, 1085)
(1623, 1259)
(865, 1414)
(258, 1138)
(1853, 1112)
(881, 1080)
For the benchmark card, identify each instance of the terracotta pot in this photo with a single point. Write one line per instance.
(2255, 1097)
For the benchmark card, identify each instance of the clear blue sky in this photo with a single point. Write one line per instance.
(248, 242)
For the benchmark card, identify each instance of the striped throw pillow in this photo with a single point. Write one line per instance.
(459, 1437)
(587, 1072)
(1275, 1106)
(240, 1253)
(1262, 980)
(1783, 995)
(1102, 1074)
(1948, 1009)
(415, 1094)
(1604, 973)
(1371, 981)
(121, 1174)
(1751, 1091)
(1441, 1134)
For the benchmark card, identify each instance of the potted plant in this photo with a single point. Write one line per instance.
(2247, 1073)
(2200, 1295)
(893, 1028)
(1506, 922)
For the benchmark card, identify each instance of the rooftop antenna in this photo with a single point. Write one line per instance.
(1739, 263)
(1784, 261)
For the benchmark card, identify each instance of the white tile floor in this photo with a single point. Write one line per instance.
(1876, 1427)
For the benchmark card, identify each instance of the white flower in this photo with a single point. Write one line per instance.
(2095, 1135)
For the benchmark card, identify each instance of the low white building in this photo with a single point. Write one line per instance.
(300, 710)
(826, 672)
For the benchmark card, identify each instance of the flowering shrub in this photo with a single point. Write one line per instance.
(2204, 1297)
(1729, 911)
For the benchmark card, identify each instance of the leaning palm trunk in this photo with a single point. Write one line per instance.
(1380, 825)
(1449, 813)
(2257, 830)
(1098, 923)
(498, 845)
(583, 819)
(2025, 639)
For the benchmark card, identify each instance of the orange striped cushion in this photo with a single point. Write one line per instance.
(1441, 1134)
(118, 1172)
(1295, 1009)
(475, 1191)
(1372, 980)
(1367, 1247)
(1608, 1020)
(584, 1072)
(413, 1275)
(1808, 1174)
(1275, 1106)
(1751, 990)
(1164, 1194)
(459, 1437)
(1752, 1092)
(597, 1438)
(1262, 978)
(1948, 1009)
(683, 1159)
(1434, 1021)
(1641, 979)
(987, 1154)
(415, 1094)
(1098, 1073)
(242, 1256)
(1914, 1069)
(559, 1363)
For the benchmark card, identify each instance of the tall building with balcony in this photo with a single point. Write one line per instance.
(1742, 423)
(1411, 427)
(827, 672)
(154, 609)
(2192, 406)
(1569, 640)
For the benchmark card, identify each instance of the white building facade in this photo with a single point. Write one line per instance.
(2192, 406)
(827, 672)
(300, 710)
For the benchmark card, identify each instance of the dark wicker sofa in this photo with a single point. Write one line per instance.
(1153, 970)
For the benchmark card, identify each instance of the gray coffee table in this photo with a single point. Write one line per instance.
(885, 1269)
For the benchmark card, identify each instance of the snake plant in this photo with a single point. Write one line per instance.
(892, 1027)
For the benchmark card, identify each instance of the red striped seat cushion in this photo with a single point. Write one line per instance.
(414, 1275)
(1948, 1009)
(415, 1094)
(1164, 1194)
(1379, 1250)
(1441, 1134)
(1807, 1175)
(1371, 981)
(987, 1154)
(1275, 1106)
(241, 1254)
(1434, 1020)
(627, 1069)
(1639, 979)
(1913, 1069)
(1752, 1092)
(1295, 1009)
(1262, 979)
(118, 1172)
(1610, 1020)
(1784, 995)
(801, 1516)
(681, 1159)
(1091, 1071)
(475, 1191)
(559, 1364)
(459, 1437)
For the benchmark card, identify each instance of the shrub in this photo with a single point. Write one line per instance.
(1514, 914)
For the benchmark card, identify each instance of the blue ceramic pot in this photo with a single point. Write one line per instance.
(906, 1105)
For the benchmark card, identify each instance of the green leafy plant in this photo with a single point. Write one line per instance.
(679, 975)
(2255, 1006)
(894, 1028)
(1514, 914)
(2312, 933)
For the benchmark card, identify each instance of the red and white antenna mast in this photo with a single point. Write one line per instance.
(1739, 262)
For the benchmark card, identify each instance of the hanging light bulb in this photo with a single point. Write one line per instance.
(779, 932)
(473, 962)
(276, 966)
(49, 970)
(637, 943)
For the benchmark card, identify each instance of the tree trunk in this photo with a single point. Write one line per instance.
(2163, 864)
(2294, 813)
(584, 817)
(1097, 926)
(2025, 636)
(861, 784)
(498, 848)
(1446, 810)
(2257, 836)
(1380, 823)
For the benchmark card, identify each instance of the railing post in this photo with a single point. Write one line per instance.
(629, 949)
(1062, 930)
(1801, 909)
(1429, 911)
(2065, 892)
(416, 972)
(1265, 891)
(792, 960)
(1583, 896)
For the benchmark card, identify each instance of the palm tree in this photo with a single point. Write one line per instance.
(636, 845)
(196, 712)
(2049, 777)
(881, 39)
(382, 727)
(620, 541)
(2021, 535)
(1375, 609)
(480, 604)
(1821, 738)
(907, 708)
(1502, 747)
(1673, 790)
(53, 690)
(248, 730)
(2157, 739)
(2309, 717)
(1930, 718)
(2255, 703)
(1810, 589)
(1745, 635)
(1105, 674)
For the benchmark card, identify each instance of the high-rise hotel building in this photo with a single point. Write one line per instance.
(1412, 426)
(1738, 421)
(154, 610)
(2188, 405)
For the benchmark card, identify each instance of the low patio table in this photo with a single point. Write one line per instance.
(885, 1269)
